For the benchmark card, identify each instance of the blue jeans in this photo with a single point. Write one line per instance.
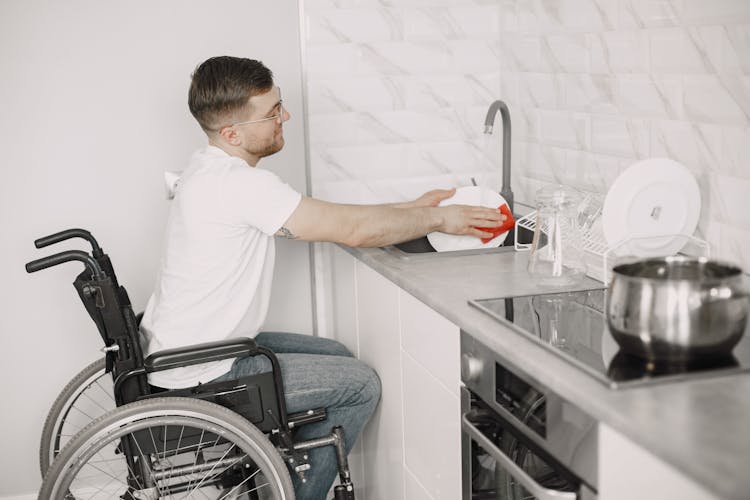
(318, 373)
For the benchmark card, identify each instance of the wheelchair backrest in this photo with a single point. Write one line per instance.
(109, 307)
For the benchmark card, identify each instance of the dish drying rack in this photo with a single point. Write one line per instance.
(599, 258)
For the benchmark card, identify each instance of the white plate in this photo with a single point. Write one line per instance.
(469, 195)
(651, 208)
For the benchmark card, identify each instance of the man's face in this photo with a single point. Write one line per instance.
(261, 127)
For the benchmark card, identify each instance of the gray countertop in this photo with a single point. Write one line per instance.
(701, 427)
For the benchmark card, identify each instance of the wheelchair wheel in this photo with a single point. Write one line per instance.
(87, 396)
(174, 448)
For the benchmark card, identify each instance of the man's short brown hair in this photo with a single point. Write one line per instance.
(222, 85)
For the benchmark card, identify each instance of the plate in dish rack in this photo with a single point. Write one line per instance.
(468, 195)
(650, 208)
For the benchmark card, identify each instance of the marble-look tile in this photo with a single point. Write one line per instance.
(729, 196)
(509, 87)
(541, 162)
(736, 50)
(523, 52)
(716, 12)
(564, 129)
(429, 23)
(714, 99)
(331, 61)
(594, 172)
(335, 26)
(526, 18)
(334, 129)
(673, 50)
(406, 189)
(540, 90)
(441, 92)
(354, 93)
(619, 136)
(592, 93)
(730, 243)
(404, 58)
(619, 52)
(508, 15)
(400, 160)
(567, 52)
(650, 13)
(406, 126)
(354, 192)
(698, 146)
(324, 167)
(736, 149)
(650, 96)
(525, 124)
(314, 5)
(452, 22)
(576, 15)
(470, 56)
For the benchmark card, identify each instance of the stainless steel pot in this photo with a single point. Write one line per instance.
(677, 308)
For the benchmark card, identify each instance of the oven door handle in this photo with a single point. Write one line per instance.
(501, 459)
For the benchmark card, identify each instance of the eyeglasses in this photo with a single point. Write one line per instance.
(277, 116)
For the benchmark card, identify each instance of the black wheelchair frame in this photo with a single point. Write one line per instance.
(258, 398)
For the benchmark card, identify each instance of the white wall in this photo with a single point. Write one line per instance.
(93, 100)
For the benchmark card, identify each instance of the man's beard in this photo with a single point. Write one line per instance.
(272, 148)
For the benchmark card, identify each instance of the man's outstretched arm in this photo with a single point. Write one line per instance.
(381, 225)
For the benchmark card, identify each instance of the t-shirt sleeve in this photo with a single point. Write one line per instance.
(259, 198)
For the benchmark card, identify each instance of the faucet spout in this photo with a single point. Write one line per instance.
(489, 121)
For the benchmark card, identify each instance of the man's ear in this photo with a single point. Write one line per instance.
(230, 136)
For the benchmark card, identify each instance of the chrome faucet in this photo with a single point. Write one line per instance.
(506, 191)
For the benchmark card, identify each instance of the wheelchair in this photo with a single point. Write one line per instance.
(110, 434)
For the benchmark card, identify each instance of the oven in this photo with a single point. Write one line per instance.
(519, 439)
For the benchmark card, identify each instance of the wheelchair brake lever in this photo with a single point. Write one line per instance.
(297, 460)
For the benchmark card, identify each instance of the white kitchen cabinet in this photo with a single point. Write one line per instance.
(411, 448)
(431, 379)
(627, 471)
(379, 347)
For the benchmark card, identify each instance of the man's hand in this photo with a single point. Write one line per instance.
(468, 220)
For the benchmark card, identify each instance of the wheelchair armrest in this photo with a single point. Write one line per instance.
(200, 353)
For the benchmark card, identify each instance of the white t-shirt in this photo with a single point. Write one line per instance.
(217, 267)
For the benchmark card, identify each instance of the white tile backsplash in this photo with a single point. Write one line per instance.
(715, 11)
(568, 53)
(614, 135)
(619, 52)
(590, 92)
(736, 148)
(696, 145)
(674, 51)
(650, 96)
(398, 89)
(650, 13)
(712, 99)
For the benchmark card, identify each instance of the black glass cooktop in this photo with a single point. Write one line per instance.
(573, 324)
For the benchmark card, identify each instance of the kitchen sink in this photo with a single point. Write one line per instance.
(421, 247)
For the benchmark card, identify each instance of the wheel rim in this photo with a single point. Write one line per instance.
(214, 466)
(92, 400)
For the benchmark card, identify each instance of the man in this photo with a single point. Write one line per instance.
(215, 278)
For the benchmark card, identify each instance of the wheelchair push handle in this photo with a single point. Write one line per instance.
(66, 235)
(62, 257)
